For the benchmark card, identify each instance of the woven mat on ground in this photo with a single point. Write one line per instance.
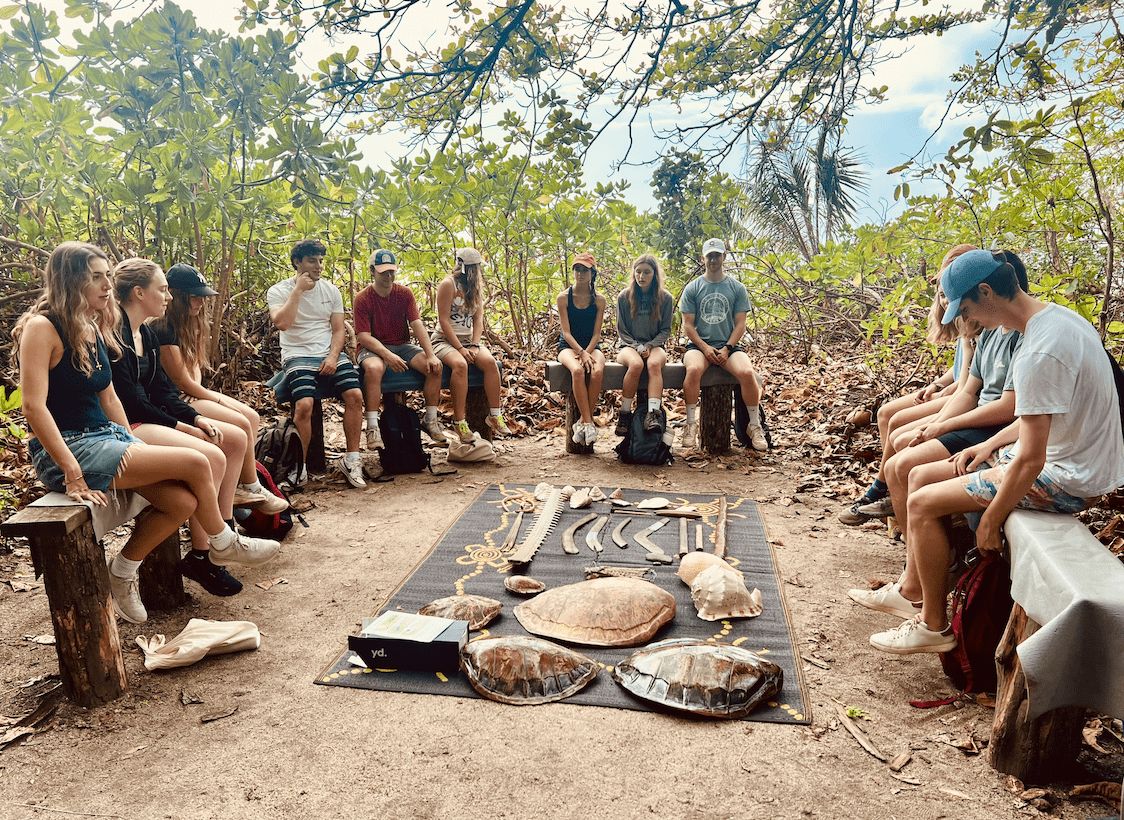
(468, 559)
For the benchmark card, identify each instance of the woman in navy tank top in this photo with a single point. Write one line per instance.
(581, 309)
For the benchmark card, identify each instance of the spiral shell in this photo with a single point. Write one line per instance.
(695, 562)
(719, 593)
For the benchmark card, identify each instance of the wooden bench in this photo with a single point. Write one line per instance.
(716, 401)
(1063, 649)
(66, 551)
(394, 387)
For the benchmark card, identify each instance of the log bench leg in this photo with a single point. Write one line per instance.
(717, 405)
(574, 415)
(1028, 750)
(76, 581)
(161, 585)
(476, 412)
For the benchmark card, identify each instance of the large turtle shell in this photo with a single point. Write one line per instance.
(476, 609)
(524, 671)
(703, 677)
(600, 612)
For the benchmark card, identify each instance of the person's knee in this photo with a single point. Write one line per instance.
(373, 367)
(458, 367)
(197, 463)
(302, 410)
(885, 416)
(353, 399)
(177, 503)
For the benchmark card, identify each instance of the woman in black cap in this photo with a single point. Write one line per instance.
(183, 335)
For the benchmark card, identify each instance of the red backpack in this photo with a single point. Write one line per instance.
(981, 606)
(262, 525)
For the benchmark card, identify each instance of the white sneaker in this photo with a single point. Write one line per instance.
(297, 478)
(352, 471)
(374, 439)
(578, 428)
(126, 599)
(432, 428)
(499, 425)
(886, 599)
(464, 432)
(690, 434)
(756, 435)
(913, 636)
(273, 504)
(250, 552)
(590, 433)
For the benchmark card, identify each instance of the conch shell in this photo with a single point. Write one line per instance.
(580, 499)
(542, 491)
(695, 562)
(719, 593)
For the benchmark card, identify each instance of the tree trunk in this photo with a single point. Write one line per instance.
(717, 405)
(161, 585)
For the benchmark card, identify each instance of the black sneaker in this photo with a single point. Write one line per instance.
(215, 579)
(652, 422)
(624, 420)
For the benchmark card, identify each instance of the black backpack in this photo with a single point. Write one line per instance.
(279, 449)
(641, 447)
(262, 525)
(741, 421)
(401, 439)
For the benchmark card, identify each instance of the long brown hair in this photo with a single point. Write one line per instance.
(190, 331)
(473, 287)
(68, 275)
(657, 288)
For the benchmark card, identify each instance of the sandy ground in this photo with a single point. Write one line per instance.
(296, 750)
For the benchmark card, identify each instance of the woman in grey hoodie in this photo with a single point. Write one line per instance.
(644, 312)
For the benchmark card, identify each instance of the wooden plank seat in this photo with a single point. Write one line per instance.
(1063, 649)
(65, 540)
(394, 387)
(716, 401)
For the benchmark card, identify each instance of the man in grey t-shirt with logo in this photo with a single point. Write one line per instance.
(714, 308)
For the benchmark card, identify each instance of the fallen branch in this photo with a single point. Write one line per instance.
(858, 733)
(62, 811)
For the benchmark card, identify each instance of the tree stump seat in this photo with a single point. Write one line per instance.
(65, 541)
(1063, 648)
(716, 401)
(394, 388)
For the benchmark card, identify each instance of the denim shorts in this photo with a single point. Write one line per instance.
(99, 451)
(1045, 495)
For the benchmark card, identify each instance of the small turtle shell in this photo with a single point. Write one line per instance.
(476, 609)
(523, 585)
(600, 612)
(702, 677)
(524, 671)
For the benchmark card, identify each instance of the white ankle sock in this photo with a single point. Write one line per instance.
(754, 414)
(494, 411)
(691, 410)
(372, 419)
(431, 412)
(653, 405)
(123, 567)
(255, 487)
(223, 539)
(626, 404)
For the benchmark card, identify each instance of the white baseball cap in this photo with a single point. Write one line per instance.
(713, 246)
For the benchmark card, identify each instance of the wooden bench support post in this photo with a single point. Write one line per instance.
(161, 585)
(717, 405)
(476, 412)
(1028, 750)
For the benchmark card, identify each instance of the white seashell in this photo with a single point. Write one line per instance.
(567, 491)
(719, 593)
(596, 494)
(523, 585)
(542, 491)
(618, 502)
(616, 493)
(691, 564)
(579, 499)
(653, 504)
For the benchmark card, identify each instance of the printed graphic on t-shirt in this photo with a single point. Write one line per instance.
(714, 309)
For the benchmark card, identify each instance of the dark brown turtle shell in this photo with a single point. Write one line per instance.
(523, 670)
(600, 612)
(476, 609)
(702, 677)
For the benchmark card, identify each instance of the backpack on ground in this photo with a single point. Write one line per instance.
(981, 607)
(1118, 378)
(401, 436)
(263, 525)
(741, 421)
(642, 447)
(279, 449)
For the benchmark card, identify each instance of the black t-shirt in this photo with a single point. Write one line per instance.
(165, 333)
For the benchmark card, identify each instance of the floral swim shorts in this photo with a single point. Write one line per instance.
(1045, 495)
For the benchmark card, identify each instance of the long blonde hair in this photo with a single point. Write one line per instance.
(657, 288)
(938, 332)
(68, 275)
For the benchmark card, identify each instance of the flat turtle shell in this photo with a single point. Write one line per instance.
(476, 609)
(702, 677)
(600, 612)
(523, 585)
(524, 671)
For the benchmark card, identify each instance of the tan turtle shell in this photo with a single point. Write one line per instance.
(476, 609)
(600, 612)
(523, 670)
(523, 585)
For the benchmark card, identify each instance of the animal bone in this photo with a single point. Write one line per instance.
(720, 530)
(618, 534)
(682, 537)
(654, 554)
(591, 538)
(698, 538)
(513, 533)
(544, 522)
(602, 571)
(568, 545)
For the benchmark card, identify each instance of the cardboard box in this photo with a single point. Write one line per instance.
(402, 650)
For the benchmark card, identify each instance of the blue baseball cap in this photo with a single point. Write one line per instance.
(966, 271)
(382, 260)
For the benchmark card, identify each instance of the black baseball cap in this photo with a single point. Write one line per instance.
(183, 276)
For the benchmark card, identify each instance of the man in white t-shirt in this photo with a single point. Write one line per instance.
(1064, 447)
(308, 310)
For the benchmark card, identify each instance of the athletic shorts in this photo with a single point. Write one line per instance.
(306, 383)
(733, 350)
(406, 352)
(959, 440)
(1045, 495)
(99, 451)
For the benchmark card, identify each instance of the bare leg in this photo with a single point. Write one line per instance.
(486, 364)
(146, 464)
(458, 381)
(248, 420)
(635, 364)
(921, 476)
(657, 357)
(373, 368)
(432, 388)
(302, 420)
(577, 383)
(739, 365)
(898, 469)
(596, 374)
(172, 503)
(696, 364)
(352, 418)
